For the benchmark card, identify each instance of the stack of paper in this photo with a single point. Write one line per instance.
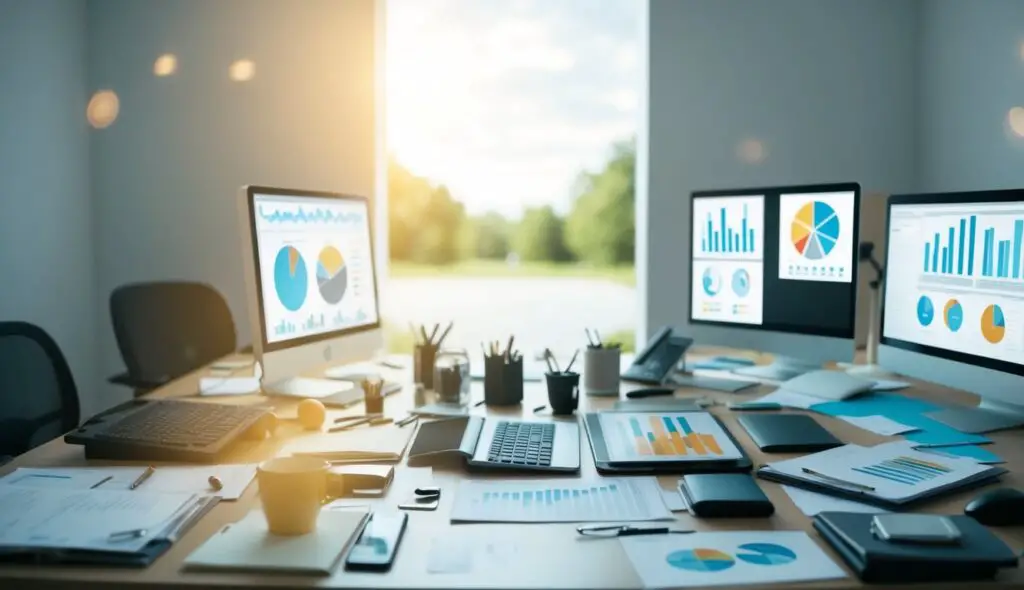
(362, 444)
(234, 479)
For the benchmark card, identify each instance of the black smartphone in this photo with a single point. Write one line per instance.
(376, 547)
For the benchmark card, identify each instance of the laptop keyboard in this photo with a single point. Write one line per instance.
(522, 443)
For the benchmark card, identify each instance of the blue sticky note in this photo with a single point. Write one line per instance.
(979, 454)
(904, 410)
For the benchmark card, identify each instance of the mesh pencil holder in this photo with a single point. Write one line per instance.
(503, 382)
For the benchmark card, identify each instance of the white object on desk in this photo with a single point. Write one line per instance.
(213, 386)
(811, 503)
(878, 424)
(674, 499)
(89, 519)
(727, 559)
(790, 399)
(192, 480)
(360, 444)
(889, 385)
(229, 365)
(827, 385)
(248, 545)
(560, 500)
(405, 482)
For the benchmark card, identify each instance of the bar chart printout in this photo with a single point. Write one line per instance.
(560, 500)
(1000, 252)
(684, 436)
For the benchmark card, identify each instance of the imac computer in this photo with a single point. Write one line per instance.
(775, 270)
(312, 285)
(953, 304)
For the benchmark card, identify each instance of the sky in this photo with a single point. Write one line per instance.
(506, 101)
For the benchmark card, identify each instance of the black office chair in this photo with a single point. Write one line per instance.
(167, 329)
(38, 397)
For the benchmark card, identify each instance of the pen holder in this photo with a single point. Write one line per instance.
(423, 358)
(373, 399)
(503, 383)
(452, 377)
(563, 392)
(601, 370)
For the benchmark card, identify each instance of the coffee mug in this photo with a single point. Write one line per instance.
(563, 392)
(292, 490)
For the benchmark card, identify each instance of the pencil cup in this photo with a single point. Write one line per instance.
(601, 370)
(503, 382)
(373, 399)
(563, 392)
(452, 377)
(423, 358)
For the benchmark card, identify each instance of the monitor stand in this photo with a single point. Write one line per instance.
(782, 368)
(987, 417)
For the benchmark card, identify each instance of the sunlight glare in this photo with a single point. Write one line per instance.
(103, 109)
(165, 65)
(751, 151)
(1016, 120)
(242, 70)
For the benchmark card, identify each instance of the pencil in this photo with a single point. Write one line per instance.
(434, 332)
(142, 478)
(445, 333)
(572, 360)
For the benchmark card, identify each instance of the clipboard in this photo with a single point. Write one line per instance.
(596, 436)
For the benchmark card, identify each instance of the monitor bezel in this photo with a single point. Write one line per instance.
(846, 333)
(251, 193)
(961, 198)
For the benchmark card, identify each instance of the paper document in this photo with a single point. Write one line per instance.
(211, 386)
(811, 503)
(360, 444)
(666, 436)
(560, 500)
(790, 399)
(885, 385)
(405, 482)
(728, 559)
(87, 519)
(892, 471)
(674, 500)
(193, 480)
(878, 424)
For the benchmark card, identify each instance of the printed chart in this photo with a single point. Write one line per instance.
(669, 437)
(816, 237)
(905, 470)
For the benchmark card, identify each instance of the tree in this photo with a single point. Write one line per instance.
(424, 221)
(601, 228)
(540, 236)
(488, 236)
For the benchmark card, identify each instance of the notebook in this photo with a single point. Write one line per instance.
(361, 444)
(890, 475)
(787, 433)
(247, 545)
(725, 495)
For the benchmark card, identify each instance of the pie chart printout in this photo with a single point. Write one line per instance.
(815, 230)
(993, 324)
(700, 560)
(290, 279)
(765, 554)
(331, 275)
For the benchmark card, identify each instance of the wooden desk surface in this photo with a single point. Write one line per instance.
(520, 556)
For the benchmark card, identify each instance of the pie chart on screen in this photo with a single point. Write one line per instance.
(711, 281)
(954, 315)
(815, 230)
(331, 275)
(925, 310)
(290, 278)
(993, 324)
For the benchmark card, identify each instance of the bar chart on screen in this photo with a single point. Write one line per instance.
(989, 246)
(729, 228)
(685, 436)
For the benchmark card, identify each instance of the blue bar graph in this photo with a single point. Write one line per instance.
(970, 248)
(726, 238)
(960, 255)
(927, 255)
(1018, 235)
(949, 249)
(955, 248)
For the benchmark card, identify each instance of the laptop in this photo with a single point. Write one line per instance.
(534, 445)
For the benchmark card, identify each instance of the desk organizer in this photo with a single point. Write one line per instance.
(423, 358)
(503, 382)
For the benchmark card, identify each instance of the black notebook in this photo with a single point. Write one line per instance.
(979, 555)
(725, 495)
(787, 433)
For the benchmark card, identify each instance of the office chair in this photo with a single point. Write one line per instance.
(38, 397)
(167, 329)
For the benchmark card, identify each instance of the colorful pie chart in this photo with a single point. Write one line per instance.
(290, 280)
(953, 314)
(765, 554)
(993, 324)
(925, 310)
(815, 230)
(711, 281)
(700, 560)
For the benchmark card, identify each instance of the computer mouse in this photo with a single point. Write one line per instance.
(1001, 507)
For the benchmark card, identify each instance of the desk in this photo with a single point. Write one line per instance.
(543, 556)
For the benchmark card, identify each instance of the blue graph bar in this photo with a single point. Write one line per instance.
(986, 264)
(669, 426)
(745, 230)
(684, 425)
(1018, 234)
(736, 242)
(710, 236)
(949, 247)
(960, 255)
(970, 249)
(636, 427)
(927, 255)
(1004, 259)
(751, 242)
(727, 239)
(724, 234)
(945, 258)
(935, 254)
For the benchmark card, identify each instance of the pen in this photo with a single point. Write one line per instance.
(381, 421)
(142, 478)
(101, 482)
(851, 484)
(627, 531)
(572, 360)
(407, 420)
(127, 535)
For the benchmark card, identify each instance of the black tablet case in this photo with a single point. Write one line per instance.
(600, 451)
(788, 433)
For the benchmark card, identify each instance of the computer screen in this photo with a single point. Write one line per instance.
(314, 266)
(778, 259)
(954, 283)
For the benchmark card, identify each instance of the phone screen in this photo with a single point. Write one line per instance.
(377, 544)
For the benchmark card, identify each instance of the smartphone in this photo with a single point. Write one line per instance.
(915, 528)
(376, 547)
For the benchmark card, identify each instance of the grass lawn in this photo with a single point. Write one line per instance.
(625, 275)
(400, 341)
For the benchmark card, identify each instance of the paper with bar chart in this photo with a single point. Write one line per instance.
(728, 259)
(895, 470)
(560, 500)
(816, 237)
(956, 279)
(683, 436)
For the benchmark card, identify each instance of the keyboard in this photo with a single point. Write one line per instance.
(522, 443)
(165, 430)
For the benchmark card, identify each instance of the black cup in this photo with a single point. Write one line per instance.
(563, 392)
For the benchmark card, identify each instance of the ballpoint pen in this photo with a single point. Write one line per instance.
(142, 478)
(837, 480)
(620, 530)
(127, 535)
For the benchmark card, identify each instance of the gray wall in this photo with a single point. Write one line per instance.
(972, 74)
(165, 175)
(46, 238)
(828, 86)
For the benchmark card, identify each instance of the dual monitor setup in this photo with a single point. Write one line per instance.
(771, 269)
(775, 270)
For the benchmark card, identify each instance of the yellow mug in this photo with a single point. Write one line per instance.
(292, 490)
